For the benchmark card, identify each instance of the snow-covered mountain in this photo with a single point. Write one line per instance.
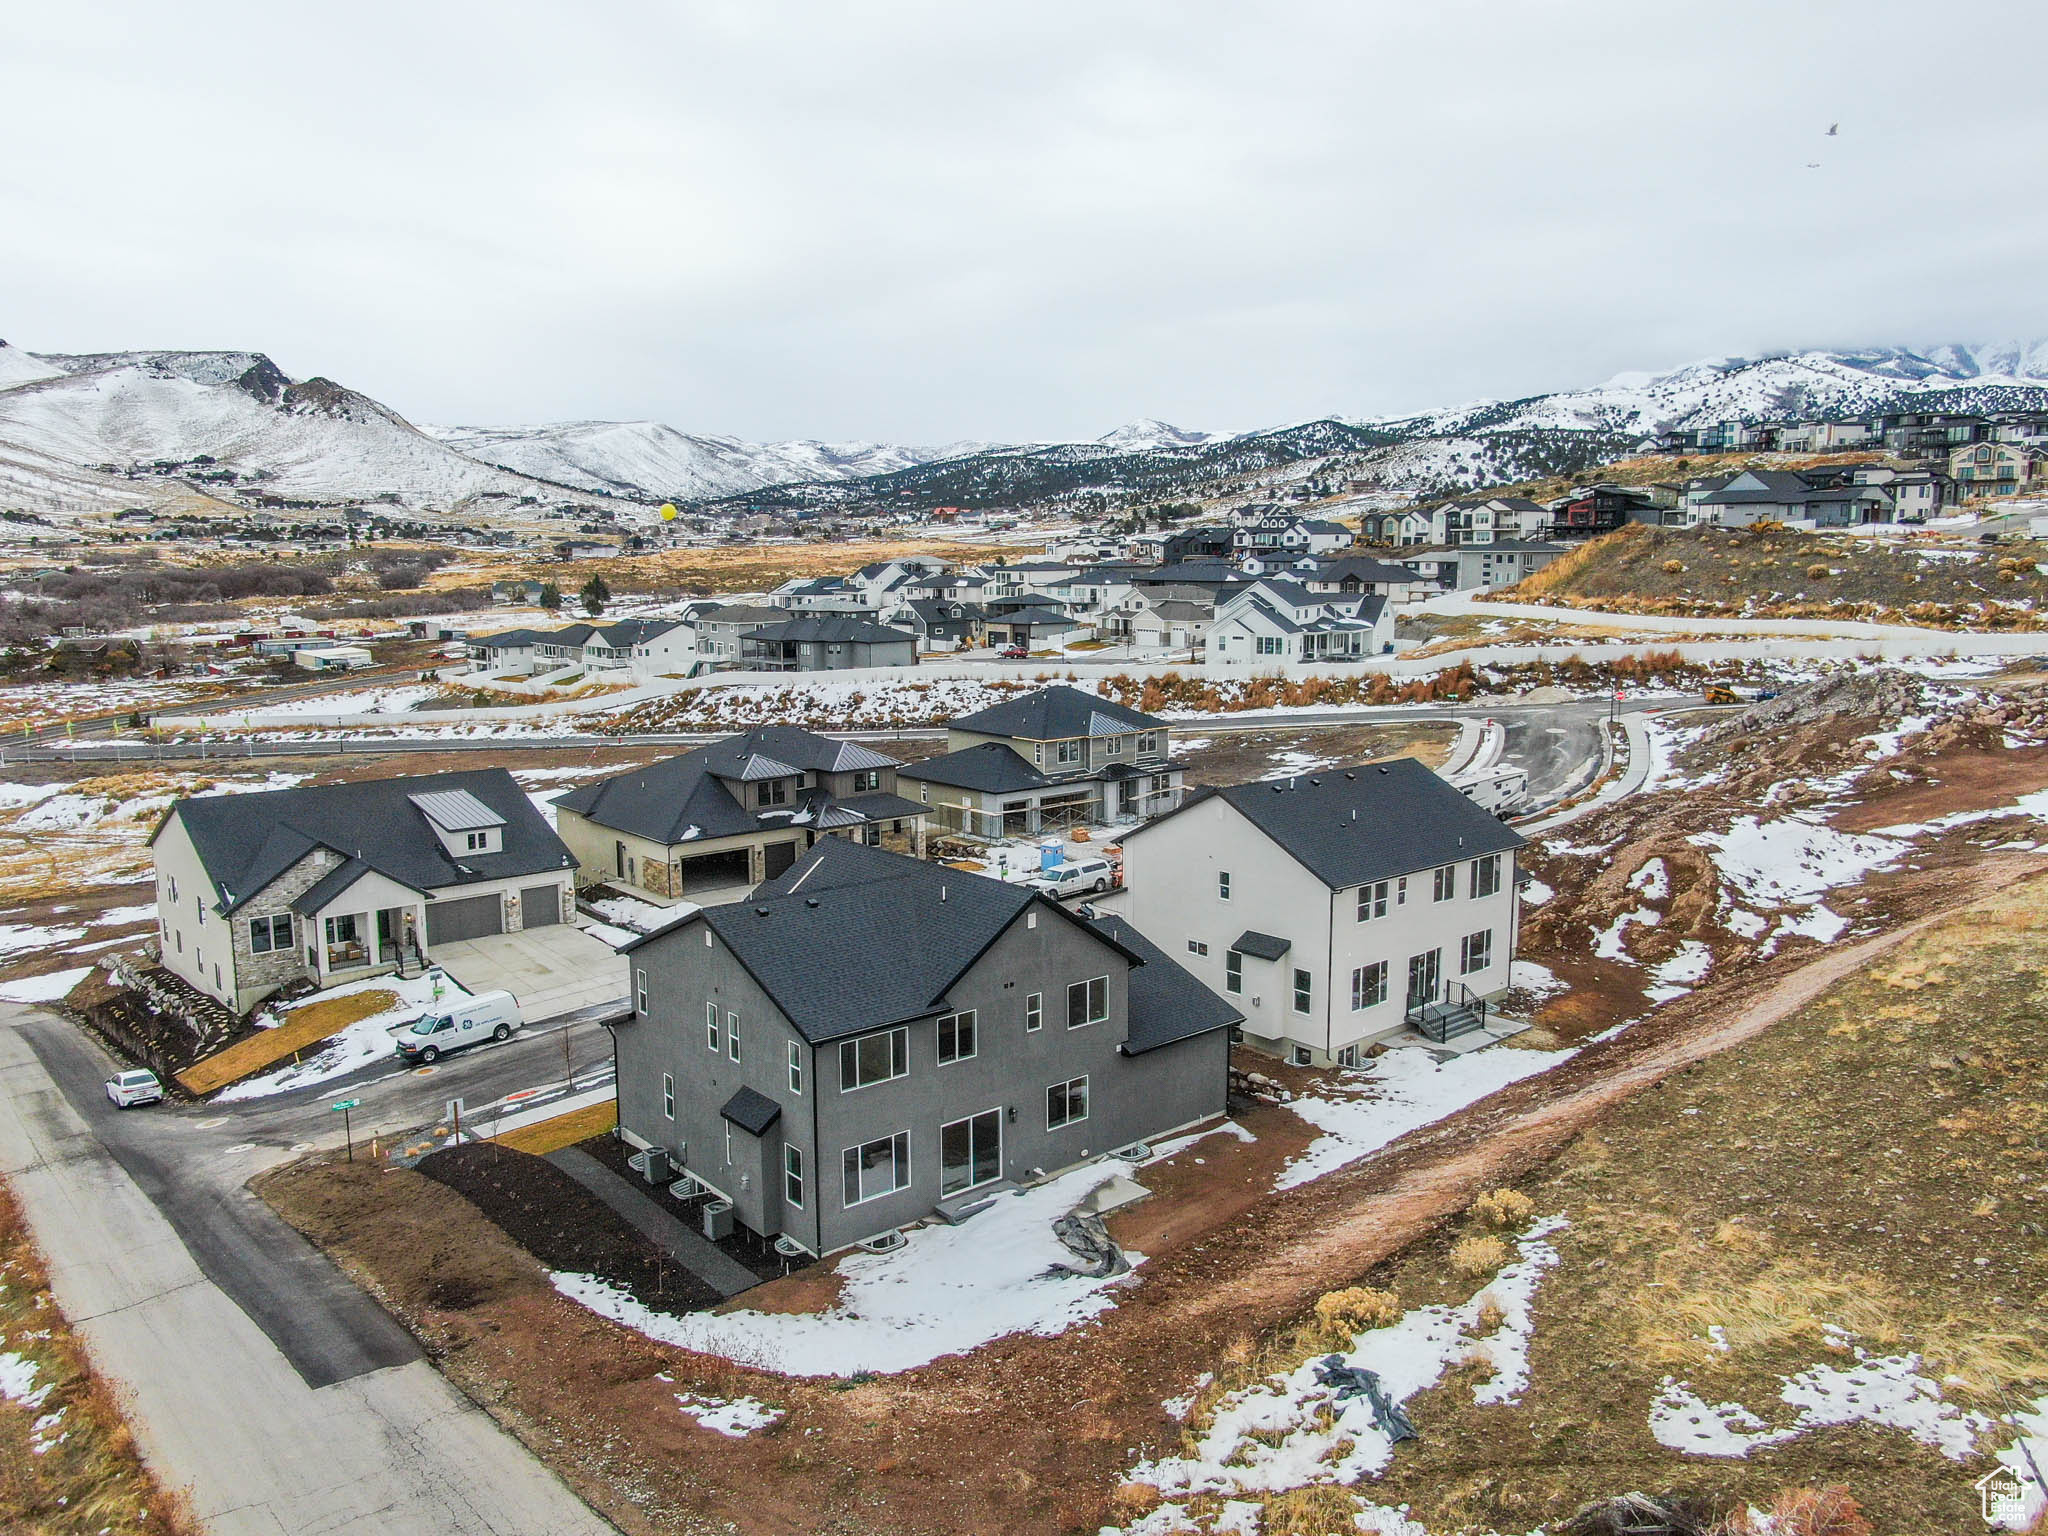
(646, 458)
(1149, 432)
(166, 428)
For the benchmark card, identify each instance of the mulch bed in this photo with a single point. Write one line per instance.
(562, 1224)
(743, 1247)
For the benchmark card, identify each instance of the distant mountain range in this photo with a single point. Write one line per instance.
(221, 431)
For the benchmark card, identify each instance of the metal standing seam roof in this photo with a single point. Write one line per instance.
(456, 810)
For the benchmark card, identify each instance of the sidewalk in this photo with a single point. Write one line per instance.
(658, 1224)
(217, 1409)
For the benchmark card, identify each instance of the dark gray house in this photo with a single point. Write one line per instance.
(870, 1037)
(825, 644)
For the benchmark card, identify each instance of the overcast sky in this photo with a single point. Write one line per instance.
(925, 222)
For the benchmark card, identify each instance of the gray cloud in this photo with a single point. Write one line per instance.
(924, 222)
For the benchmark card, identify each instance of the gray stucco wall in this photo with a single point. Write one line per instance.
(1130, 1098)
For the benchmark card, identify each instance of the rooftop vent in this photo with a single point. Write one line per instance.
(810, 901)
(760, 911)
(1383, 768)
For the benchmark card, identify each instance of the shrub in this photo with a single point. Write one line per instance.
(1490, 1318)
(1133, 1501)
(1673, 567)
(1817, 573)
(1826, 1511)
(1356, 1309)
(1504, 1208)
(1474, 1256)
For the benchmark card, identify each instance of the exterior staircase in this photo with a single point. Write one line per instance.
(1446, 1018)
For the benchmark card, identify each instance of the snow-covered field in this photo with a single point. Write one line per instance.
(394, 700)
(945, 1291)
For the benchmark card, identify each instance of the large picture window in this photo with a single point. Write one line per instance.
(874, 1058)
(970, 1152)
(877, 1168)
(1369, 985)
(956, 1036)
(1088, 1002)
(1475, 952)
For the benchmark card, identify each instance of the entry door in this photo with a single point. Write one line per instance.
(1424, 977)
(1127, 798)
(971, 1152)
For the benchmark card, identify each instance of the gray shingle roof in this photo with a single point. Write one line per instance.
(1261, 946)
(832, 629)
(1166, 1003)
(1350, 825)
(247, 841)
(1055, 714)
(752, 1112)
(990, 767)
(852, 938)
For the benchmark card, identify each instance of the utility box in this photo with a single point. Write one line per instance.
(718, 1220)
(655, 1168)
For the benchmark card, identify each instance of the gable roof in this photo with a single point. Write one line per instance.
(991, 767)
(664, 800)
(1166, 1003)
(1347, 826)
(245, 842)
(1056, 714)
(851, 938)
(831, 629)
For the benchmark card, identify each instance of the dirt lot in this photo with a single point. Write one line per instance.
(735, 568)
(1232, 757)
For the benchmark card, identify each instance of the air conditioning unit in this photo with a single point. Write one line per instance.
(718, 1220)
(654, 1166)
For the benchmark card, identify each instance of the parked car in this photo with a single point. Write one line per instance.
(128, 1089)
(1074, 877)
(487, 1016)
(1013, 653)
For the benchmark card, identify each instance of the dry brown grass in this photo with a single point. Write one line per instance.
(547, 1136)
(81, 1474)
(737, 568)
(1476, 1256)
(1507, 1210)
(1354, 1310)
(1320, 1509)
(302, 1027)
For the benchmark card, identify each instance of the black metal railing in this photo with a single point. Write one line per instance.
(1458, 1012)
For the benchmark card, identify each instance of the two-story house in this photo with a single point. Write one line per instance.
(1047, 760)
(1996, 469)
(335, 882)
(725, 817)
(1336, 908)
(1273, 620)
(868, 1039)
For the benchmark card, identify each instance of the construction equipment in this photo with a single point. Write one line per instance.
(1721, 693)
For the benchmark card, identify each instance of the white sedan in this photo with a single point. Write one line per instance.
(127, 1089)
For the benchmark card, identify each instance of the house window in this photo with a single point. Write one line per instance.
(866, 779)
(1066, 1103)
(1271, 645)
(1233, 971)
(773, 792)
(793, 1175)
(1197, 947)
(639, 990)
(477, 841)
(877, 1168)
(1087, 1002)
(1223, 885)
(796, 1069)
(268, 933)
(875, 1058)
(1486, 875)
(732, 1036)
(970, 1152)
(1369, 985)
(1401, 891)
(1475, 952)
(871, 834)
(1034, 1012)
(1372, 901)
(1114, 746)
(668, 1096)
(173, 884)
(1066, 752)
(711, 1026)
(1304, 986)
(1347, 1056)
(956, 1036)
(1446, 882)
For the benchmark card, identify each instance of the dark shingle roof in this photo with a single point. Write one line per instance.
(511, 639)
(1055, 714)
(852, 938)
(1261, 946)
(1350, 825)
(752, 1112)
(1166, 1003)
(991, 767)
(247, 841)
(662, 801)
(832, 629)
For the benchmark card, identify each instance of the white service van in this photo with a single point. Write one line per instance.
(452, 1025)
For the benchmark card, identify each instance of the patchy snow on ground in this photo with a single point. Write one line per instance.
(1608, 942)
(947, 1290)
(1537, 980)
(1888, 1391)
(640, 916)
(1289, 1430)
(1162, 1150)
(1535, 893)
(356, 1045)
(113, 917)
(367, 701)
(2035, 804)
(47, 988)
(18, 1381)
(1795, 860)
(1403, 1090)
(1678, 975)
(25, 938)
(605, 933)
(2032, 1443)
(734, 1417)
(1652, 882)
(1287, 764)
(544, 802)
(15, 797)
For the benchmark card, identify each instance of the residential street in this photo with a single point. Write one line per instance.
(262, 1442)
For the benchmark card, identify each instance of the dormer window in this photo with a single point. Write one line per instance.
(773, 792)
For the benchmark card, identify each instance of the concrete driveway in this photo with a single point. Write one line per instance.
(552, 971)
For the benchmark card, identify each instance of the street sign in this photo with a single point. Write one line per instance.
(347, 1104)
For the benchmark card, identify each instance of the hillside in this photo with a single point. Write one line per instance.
(1785, 573)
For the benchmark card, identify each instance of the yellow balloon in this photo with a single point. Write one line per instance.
(668, 512)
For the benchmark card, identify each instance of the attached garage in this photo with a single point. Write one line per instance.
(709, 871)
(540, 905)
(779, 857)
(468, 917)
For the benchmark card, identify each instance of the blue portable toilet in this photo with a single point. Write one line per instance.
(1050, 855)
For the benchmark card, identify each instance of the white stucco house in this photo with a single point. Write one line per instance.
(1273, 620)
